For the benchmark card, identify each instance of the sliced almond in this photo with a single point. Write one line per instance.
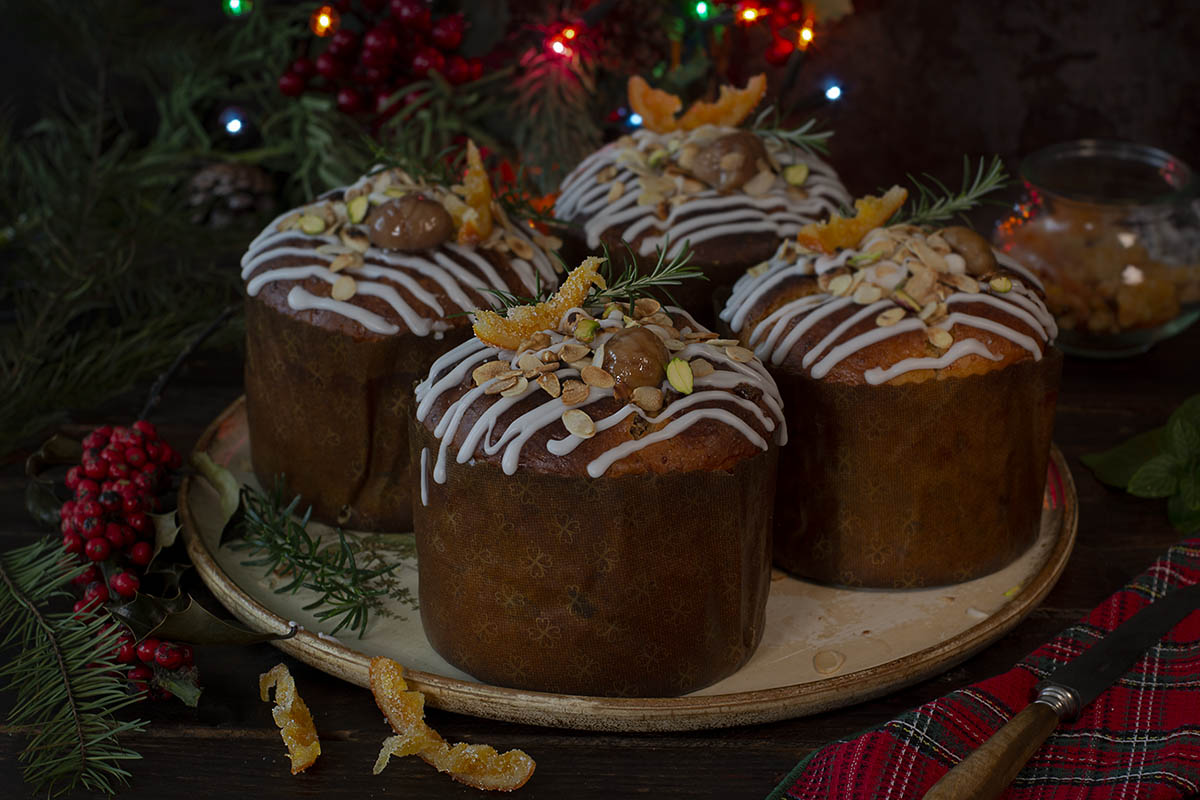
(687, 156)
(346, 261)
(700, 336)
(538, 341)
(955, 264)
(840, 286)
(939, 338)
(739, 354)
(964, 283)
(597, 377)
(760, 184)
(598, 356)
(701, 368)
(502, 384)
(645, 306)
(579, 423)
(485, 372)
(648, 398)
(889, 317)
(549, 382)
(343, 288)
(615, 191)
(723, 342)
(607, 174)
(518, 387)
(928, 310)
(529, 361)
(355, 238)
(867, 293)
(673, 344)
(548, 357)
(574, 392)
(572, 352)
(520, 247)
(927, 255)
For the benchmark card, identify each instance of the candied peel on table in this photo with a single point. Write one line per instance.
(507, 332)
(840, 232)
(476, 765)
(658, 108)
(292, 716)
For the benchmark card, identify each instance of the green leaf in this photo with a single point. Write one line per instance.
(182, 619)
(229, 494)
(1189, 411)
(42, 503)
(166, 530)
(1185, 520)
(1117, 466)
(1158, 477)
(41, 500)
(180, 682)
(1183, 438)
(1189, 489)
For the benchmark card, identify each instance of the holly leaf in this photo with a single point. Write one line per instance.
(229, 494)
(1189, 490)
(1183, 438)
(57, 450)
(1158, 477)
(41, 500)
(1117, 466)
(43, 503)
(182, 619)
(166, 530)
(180, 682)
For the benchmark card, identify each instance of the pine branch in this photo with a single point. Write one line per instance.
(631, 283)
(282, 546)
(930, 206)
(69, 708)
(767, 125)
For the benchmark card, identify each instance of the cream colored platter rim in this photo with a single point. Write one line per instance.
(619, 714)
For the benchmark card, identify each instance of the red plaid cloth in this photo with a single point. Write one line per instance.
(1140, 740)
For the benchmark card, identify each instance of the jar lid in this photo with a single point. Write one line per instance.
(1104, 171)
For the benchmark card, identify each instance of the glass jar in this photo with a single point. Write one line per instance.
(1113, 231)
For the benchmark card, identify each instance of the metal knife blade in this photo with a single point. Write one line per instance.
(985, 773)
(1102, 664)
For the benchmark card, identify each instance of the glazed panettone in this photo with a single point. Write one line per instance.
(919, 381)
(730, 194)
(348, 301)
(594, 505)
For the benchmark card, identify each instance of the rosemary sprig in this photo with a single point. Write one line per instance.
(767, 125)
(930, 206)
(282, 544)
(631, 283)
(67, 692)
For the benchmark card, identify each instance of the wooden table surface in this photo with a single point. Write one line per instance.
(228, 747)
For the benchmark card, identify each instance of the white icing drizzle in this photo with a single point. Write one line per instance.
(391, 271)
(876, 376)
(797, 317)
(705, 215)
(424, 476)
(713, 392)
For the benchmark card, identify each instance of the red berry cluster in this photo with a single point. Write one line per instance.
(107, 525)
(399, 43)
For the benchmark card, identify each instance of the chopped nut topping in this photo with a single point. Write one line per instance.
(503, 384)
(574, 392)
(549, 382)
(739, 354)
(485, 372)
(355, 238)
(312, 224)
(1001, 284)
(679, 374)
(939, 338)
(586, 330)
(648, 398)
(529, 361)
(645, 307)
(356, 208)
(867, 293)
(597, 377)
(615, 191)
(889, 317)
(520, 384)
(796, 174)
(572, 352)
(346, 261)
(701, 368)
(344, 288)
(840, 285)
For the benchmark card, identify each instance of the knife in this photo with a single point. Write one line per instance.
(985, 773)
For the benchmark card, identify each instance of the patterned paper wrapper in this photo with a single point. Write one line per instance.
(648, 585)
(915, 485)
(330, 413)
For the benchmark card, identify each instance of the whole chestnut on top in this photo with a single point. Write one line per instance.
(634, 357)
(409, 223)
(726, 163)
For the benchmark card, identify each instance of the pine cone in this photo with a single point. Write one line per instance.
(223, 193)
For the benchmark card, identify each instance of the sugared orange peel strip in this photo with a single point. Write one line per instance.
(477, 226)
(521, 322)
(658, 108)
(840, 232)
(477, 765)
(292, 716)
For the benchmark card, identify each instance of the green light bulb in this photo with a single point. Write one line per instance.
(237, 8)
(702, 10)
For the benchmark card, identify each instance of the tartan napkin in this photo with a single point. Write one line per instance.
(1140, 740)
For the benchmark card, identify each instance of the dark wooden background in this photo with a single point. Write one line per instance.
(229, 748)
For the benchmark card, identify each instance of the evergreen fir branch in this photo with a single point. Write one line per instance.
(64, 677)
(768, 125)
(936, 203)
(280, 543)
(632, 283)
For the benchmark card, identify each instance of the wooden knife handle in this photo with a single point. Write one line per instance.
(985, 773)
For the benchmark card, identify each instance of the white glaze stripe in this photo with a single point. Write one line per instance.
(961, 348)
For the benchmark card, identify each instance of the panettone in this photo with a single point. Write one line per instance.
(919, 384)
(348, 301)
(594, 504)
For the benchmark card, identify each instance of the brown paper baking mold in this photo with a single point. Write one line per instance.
(330, 413)
(916, 485)
(649, 585)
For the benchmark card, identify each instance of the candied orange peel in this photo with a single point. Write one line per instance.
(521, 322)
(845, 232)
(658, 108)
(476, 222)
(476, 765)
(292, 716)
